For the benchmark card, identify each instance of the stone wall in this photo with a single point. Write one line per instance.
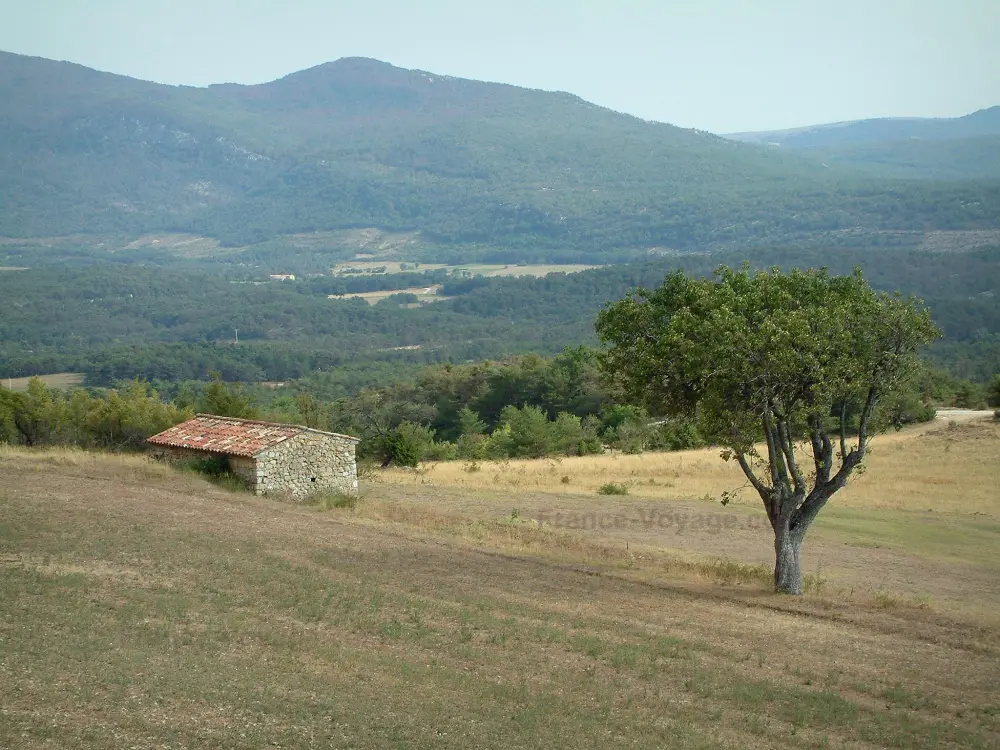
(245, 469)
(309, 462)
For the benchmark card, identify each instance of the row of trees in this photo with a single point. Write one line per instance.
(117, 419)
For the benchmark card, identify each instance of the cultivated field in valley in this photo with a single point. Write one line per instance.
(54, 380)
(471, 269)
(424, 294)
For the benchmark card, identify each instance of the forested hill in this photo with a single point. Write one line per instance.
(985, 122)
(464, 164)
(941, 148)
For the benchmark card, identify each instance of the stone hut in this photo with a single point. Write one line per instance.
(269, 457)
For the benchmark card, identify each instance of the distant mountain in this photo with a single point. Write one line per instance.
(955, 148)
(485, 169)
(985, 122)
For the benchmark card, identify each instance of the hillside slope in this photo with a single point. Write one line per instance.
(143, 608)
(360, 143)
(984, 122)
(956, 148)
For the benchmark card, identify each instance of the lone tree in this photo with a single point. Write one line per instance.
(799, 362)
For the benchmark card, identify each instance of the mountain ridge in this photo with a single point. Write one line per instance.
(982, 122)
(477, 167)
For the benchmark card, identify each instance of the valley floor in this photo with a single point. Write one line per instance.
(142, 607)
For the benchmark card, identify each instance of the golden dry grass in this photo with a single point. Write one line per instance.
(130, 466)
(54, 380)
(954, 469)
(166, 613)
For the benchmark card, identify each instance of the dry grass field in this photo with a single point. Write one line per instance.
(475, 269)
(922, 522)
(55, 380)
(141, 607)
(182, 245)
(941, 466)
(424, 294)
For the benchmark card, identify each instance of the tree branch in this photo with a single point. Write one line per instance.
(785, 441)
(852, 459)
(776, 462)
(762, 489)
(809, 509)
(822, 449)
(843, 430)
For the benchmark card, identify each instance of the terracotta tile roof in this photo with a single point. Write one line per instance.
(230, 436)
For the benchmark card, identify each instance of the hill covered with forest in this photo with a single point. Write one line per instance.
(480, 169)
(936, 148)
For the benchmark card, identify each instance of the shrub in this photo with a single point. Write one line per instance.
(400, 449)
(443, 451)
(325, 500)
(907, 408)
(472, 447)
(613, 488)
(970, 396)
(528, 434)
(216, 470)
(419, 436)
(403, 298)
(210, 466)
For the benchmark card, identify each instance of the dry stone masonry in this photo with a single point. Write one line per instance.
(271, 458)
(306, 463)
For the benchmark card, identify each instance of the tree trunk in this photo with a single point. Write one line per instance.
(787, 569)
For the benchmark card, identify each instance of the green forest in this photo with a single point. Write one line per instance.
(358, 158)
(114, 323)
(478, 170)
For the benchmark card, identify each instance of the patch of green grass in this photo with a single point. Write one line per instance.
(324, 501)
(733, 571)
(943, 537)
(613, 488)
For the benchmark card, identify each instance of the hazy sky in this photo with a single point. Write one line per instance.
(720, 65)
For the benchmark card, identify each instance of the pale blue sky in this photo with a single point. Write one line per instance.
(720, 65)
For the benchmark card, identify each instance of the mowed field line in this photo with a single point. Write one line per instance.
(150, 609)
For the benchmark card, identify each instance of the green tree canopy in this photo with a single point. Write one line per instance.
(228, 400)
(796, 361)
